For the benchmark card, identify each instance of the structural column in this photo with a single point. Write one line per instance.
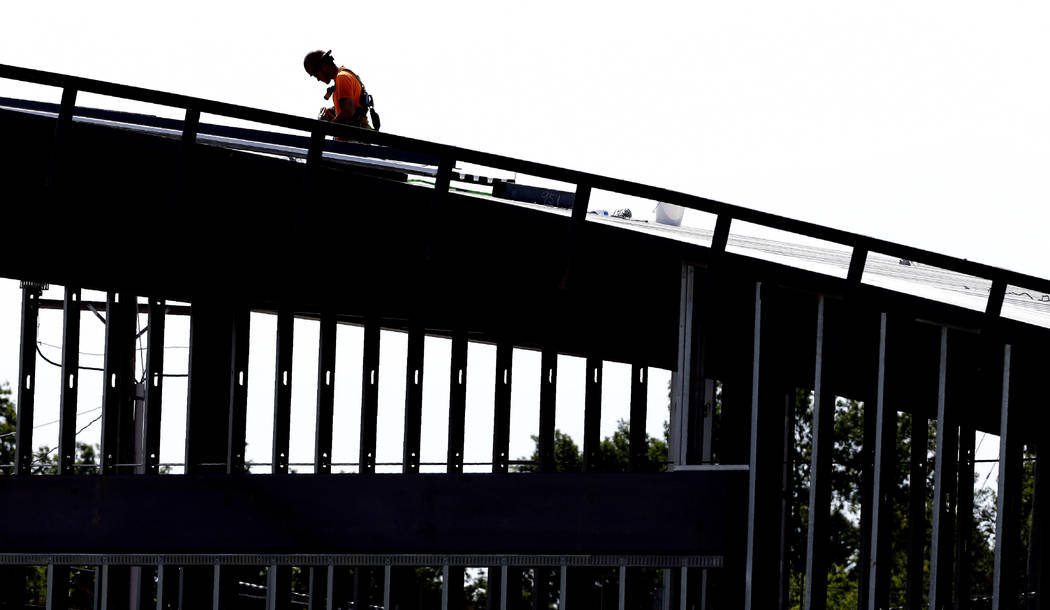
(457, 403)
(413, 399)
(1008, 502)
(592, 415)
(369, 396)
(282, 399)
(639, 446)
(118, 392)
(208, 391)
(820, 472)
(964, 517)
(883, 456)
(154, 385)
(941, 552)
(235, 462)
(763, 569)
(548, 398)
(27, 380)
(67, 425)
(501, 416)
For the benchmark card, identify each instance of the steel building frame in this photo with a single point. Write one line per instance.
(452, 268)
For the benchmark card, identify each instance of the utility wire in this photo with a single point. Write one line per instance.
(141, 349)
(92, 368)
(49, 361)
(50, 451)
(48, 423)
(138, 324)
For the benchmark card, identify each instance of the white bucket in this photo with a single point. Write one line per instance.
(669, 214)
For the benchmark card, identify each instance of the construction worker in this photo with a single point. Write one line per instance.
(352, 103)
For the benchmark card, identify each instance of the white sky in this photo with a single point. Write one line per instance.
(921, 123)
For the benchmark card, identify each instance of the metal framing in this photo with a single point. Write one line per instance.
(118, 417)
(154, 384)
(1007, 517)
(413, 399)
(282, 400)
(639, 446)
(592, 415)
(457, 402)
(235, 460)
(548, 406)
(943, 488)
(27, 380)
(215, 435)
(882, 478)
(681, 397)
(964, 517)
(501, 415)
(820, 471)
(70, 382)
(369, 396)
(210, 370)
(325, 395)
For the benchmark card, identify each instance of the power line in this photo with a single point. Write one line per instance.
(48, 423)
(140, 349)
(92, 368)
(50, 451)
(52, 362)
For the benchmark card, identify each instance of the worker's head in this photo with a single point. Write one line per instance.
(320, 65)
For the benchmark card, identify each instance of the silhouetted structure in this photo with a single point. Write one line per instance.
(178, 210)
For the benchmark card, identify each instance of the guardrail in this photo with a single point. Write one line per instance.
(584, 182)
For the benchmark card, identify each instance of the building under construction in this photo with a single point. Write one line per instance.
(241, 220)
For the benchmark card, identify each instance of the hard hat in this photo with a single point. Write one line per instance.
(314, 59)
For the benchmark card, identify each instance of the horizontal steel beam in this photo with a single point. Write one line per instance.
(514, 560)
(682, 513)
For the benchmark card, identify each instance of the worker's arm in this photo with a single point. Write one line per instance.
(345, 110)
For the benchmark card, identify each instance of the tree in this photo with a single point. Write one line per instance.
(613, 453)
(847, 473)
(8, 419)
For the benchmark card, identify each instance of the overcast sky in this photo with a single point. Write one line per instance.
(923, 123)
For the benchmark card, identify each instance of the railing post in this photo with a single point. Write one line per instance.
(444, 175)
(62, 137)
(856, 265)
(190, 126)
(720, 238)
(996, 295)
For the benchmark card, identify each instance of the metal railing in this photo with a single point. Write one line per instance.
(584, 182)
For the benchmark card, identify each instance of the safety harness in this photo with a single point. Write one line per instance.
(364, 103)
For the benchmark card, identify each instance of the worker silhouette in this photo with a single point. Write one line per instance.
(351, 104)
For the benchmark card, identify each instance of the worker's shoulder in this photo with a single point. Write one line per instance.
(346, 73)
